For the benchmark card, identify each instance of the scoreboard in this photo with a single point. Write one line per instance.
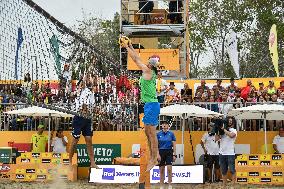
(260, 169)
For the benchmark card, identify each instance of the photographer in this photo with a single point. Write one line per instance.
(59, 143)
(227, 137)
(211, 150)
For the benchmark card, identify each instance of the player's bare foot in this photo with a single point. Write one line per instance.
(95, 166)
(151, 165)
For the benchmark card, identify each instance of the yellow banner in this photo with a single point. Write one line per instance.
(273, 48)
(169, 58)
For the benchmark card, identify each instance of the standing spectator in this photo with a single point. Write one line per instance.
(39, 140)
(135, 92)
(232, 88)
(59, 143)
(226, 106)
(227, 150)
(281, 88)
(27, 85)
(167, 152)
(186, 93)
(202, 88)
(211, 150)
(246, 90)
(218, 88)
(271, 89)
(161, 85)
(278, 142)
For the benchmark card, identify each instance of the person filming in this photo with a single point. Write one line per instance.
(167, 152)
(227, 137)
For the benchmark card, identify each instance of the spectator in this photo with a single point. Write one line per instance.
(186, 93)
(59, 143)
(211, 150)
(246, 90)
(271, 89)
(202, 88)
(167, 152)
(227, 150)
(213, 106)
(281, 97)
(225, 107)
(218, 88)
(232, 88)
(161, 85)
(27, 85)
(39, 140)
(172, 94)
(281, 88)
(261, 89)
(278, 142)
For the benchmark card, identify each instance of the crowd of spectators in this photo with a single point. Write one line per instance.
(117, 100)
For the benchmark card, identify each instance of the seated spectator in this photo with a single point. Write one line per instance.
(274, 98)
(161, 86)
(281, 97)
(278, 142)
(271, 89)
(267, 97)
(186, 93)
(202, 88)
(39, 140)
(59, 142)
(225, 107)
(172, 94)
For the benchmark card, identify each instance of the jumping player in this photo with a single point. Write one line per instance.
(149, 97)
(83, 123)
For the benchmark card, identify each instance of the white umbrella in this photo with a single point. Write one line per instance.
(185, 111)
(261, 111)
(39, 111)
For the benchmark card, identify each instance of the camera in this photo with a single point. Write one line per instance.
(217, 127)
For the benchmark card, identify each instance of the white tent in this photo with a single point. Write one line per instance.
(39, 111)
(261, 111)
(186, 111)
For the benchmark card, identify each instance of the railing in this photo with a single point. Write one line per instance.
(125, 117)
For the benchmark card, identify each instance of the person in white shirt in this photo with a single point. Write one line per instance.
(82, 123)
(227, 150)
(278, 142)
(211, 150)
(59, 143)
(161, 86)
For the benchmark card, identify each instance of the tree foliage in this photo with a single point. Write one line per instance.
(212, 22)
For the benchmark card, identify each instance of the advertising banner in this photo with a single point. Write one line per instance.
(104, 154)
(130, 174)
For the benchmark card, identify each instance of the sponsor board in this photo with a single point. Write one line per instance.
(130, 174)
(5, 168)
(104, 154)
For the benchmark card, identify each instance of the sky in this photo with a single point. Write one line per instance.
(69, 11)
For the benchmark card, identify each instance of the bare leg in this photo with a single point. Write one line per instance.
(72, 149)
(234, 179)
(90, 150)
(162, 175)
(153, 146)
(148, 135)
(224, 180)
(170, 175)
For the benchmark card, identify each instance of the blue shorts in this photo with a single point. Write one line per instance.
(225, 162)
(151, 113)
(81, 125)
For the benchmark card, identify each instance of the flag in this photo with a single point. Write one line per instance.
(55, 50)
(19, 43)
(273, 48)
(232, 50)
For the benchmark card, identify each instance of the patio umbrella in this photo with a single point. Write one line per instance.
(261, 111)
(40, 111)
(186, 111)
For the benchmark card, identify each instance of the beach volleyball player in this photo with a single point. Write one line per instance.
(148, 97)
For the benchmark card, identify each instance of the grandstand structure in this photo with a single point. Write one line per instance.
(158, 27)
